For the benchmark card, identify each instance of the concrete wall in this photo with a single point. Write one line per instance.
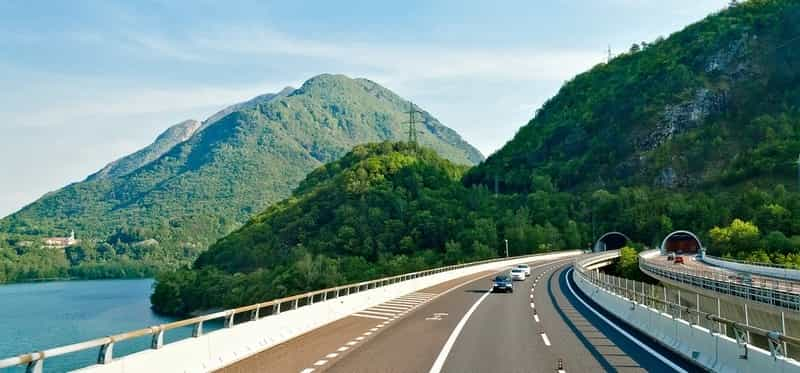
(781, 273)
(713, 351)
(224, 347)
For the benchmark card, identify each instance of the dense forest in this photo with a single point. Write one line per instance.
(696, 131)
(160, 207)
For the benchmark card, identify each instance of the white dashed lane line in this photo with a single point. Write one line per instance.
(545, 339)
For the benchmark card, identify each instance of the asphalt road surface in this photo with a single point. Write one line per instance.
(461, 327)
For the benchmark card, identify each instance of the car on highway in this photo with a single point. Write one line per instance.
(678, 260)
(525, 268)
(671, 256)
(518, 274)
(502, 284)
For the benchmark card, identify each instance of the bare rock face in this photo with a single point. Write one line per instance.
(732, 61)
(677, 119)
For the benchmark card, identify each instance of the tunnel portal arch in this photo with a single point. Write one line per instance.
(681, 242)
(610, 241)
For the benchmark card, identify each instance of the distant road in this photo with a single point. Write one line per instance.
(427, 331)
(701, 268)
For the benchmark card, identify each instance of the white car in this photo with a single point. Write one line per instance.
(525, 268)
(518, 274)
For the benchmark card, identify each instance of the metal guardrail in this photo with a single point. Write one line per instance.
(636, 292)
(760, 264)
(35, 360)
(773, 292)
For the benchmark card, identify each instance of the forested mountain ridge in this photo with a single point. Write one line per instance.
(715, 104)
(697, 131)
(383, 209)
(163, 143)
(166, 211)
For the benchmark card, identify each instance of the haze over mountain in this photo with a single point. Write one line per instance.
(165, 203)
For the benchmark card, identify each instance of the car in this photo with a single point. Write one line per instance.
(678, 260)
(525, 268)
(502, 284)
(518, 274)
(671, 256)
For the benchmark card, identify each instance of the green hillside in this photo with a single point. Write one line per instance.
(698, 131)
(714, 105)
(164, 212)
(383, 209)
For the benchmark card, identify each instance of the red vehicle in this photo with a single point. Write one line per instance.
(678, 260)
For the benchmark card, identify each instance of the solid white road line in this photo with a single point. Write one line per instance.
(370, 316)
(545, 339)
(439, 363)
(621, 331)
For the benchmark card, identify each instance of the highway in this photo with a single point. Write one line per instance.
(459, 326)
(697, 267)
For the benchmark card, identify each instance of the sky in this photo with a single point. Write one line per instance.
(85, 82)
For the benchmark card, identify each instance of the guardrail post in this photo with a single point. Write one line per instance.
(277, 308)
(229, 320)
(255, 313)
(106, 353)
(294, 304)
(35, 366)
(197, 330)
(158, 339)
(747, 321)
(310, 300)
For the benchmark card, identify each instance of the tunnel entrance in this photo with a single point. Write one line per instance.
(681, 242)
(610, 241)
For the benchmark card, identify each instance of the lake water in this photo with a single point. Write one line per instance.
(37, 316)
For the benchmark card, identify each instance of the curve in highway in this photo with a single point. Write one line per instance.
(460, 326)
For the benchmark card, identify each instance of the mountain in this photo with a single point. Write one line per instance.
(713, 105)
(167, 140)
(166, 210)
(382, 209)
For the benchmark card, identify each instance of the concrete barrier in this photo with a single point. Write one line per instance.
(226, 346)
(708, 349)
(776, 272)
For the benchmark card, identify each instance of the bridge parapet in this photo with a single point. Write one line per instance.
(254, 328)
(783, 294)
(679, 327)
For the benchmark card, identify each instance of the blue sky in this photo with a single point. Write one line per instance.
(85, 82)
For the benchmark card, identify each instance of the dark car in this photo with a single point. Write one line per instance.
(502, 284)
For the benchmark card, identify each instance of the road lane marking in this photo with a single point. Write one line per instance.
(379, 313)
(536, 317)
(351, 343)
(374, 330)
(439, 363)
(361, 338)
(343, 348)
(532, 305)
(367, 333)
(620, 330)
(320, 362)
(440, 360)
(545, 339)
(389, 308)
(332, 355)
(307, 370)
(370, 316)
(401, 303)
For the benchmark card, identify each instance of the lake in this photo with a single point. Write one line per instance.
(37, 316)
